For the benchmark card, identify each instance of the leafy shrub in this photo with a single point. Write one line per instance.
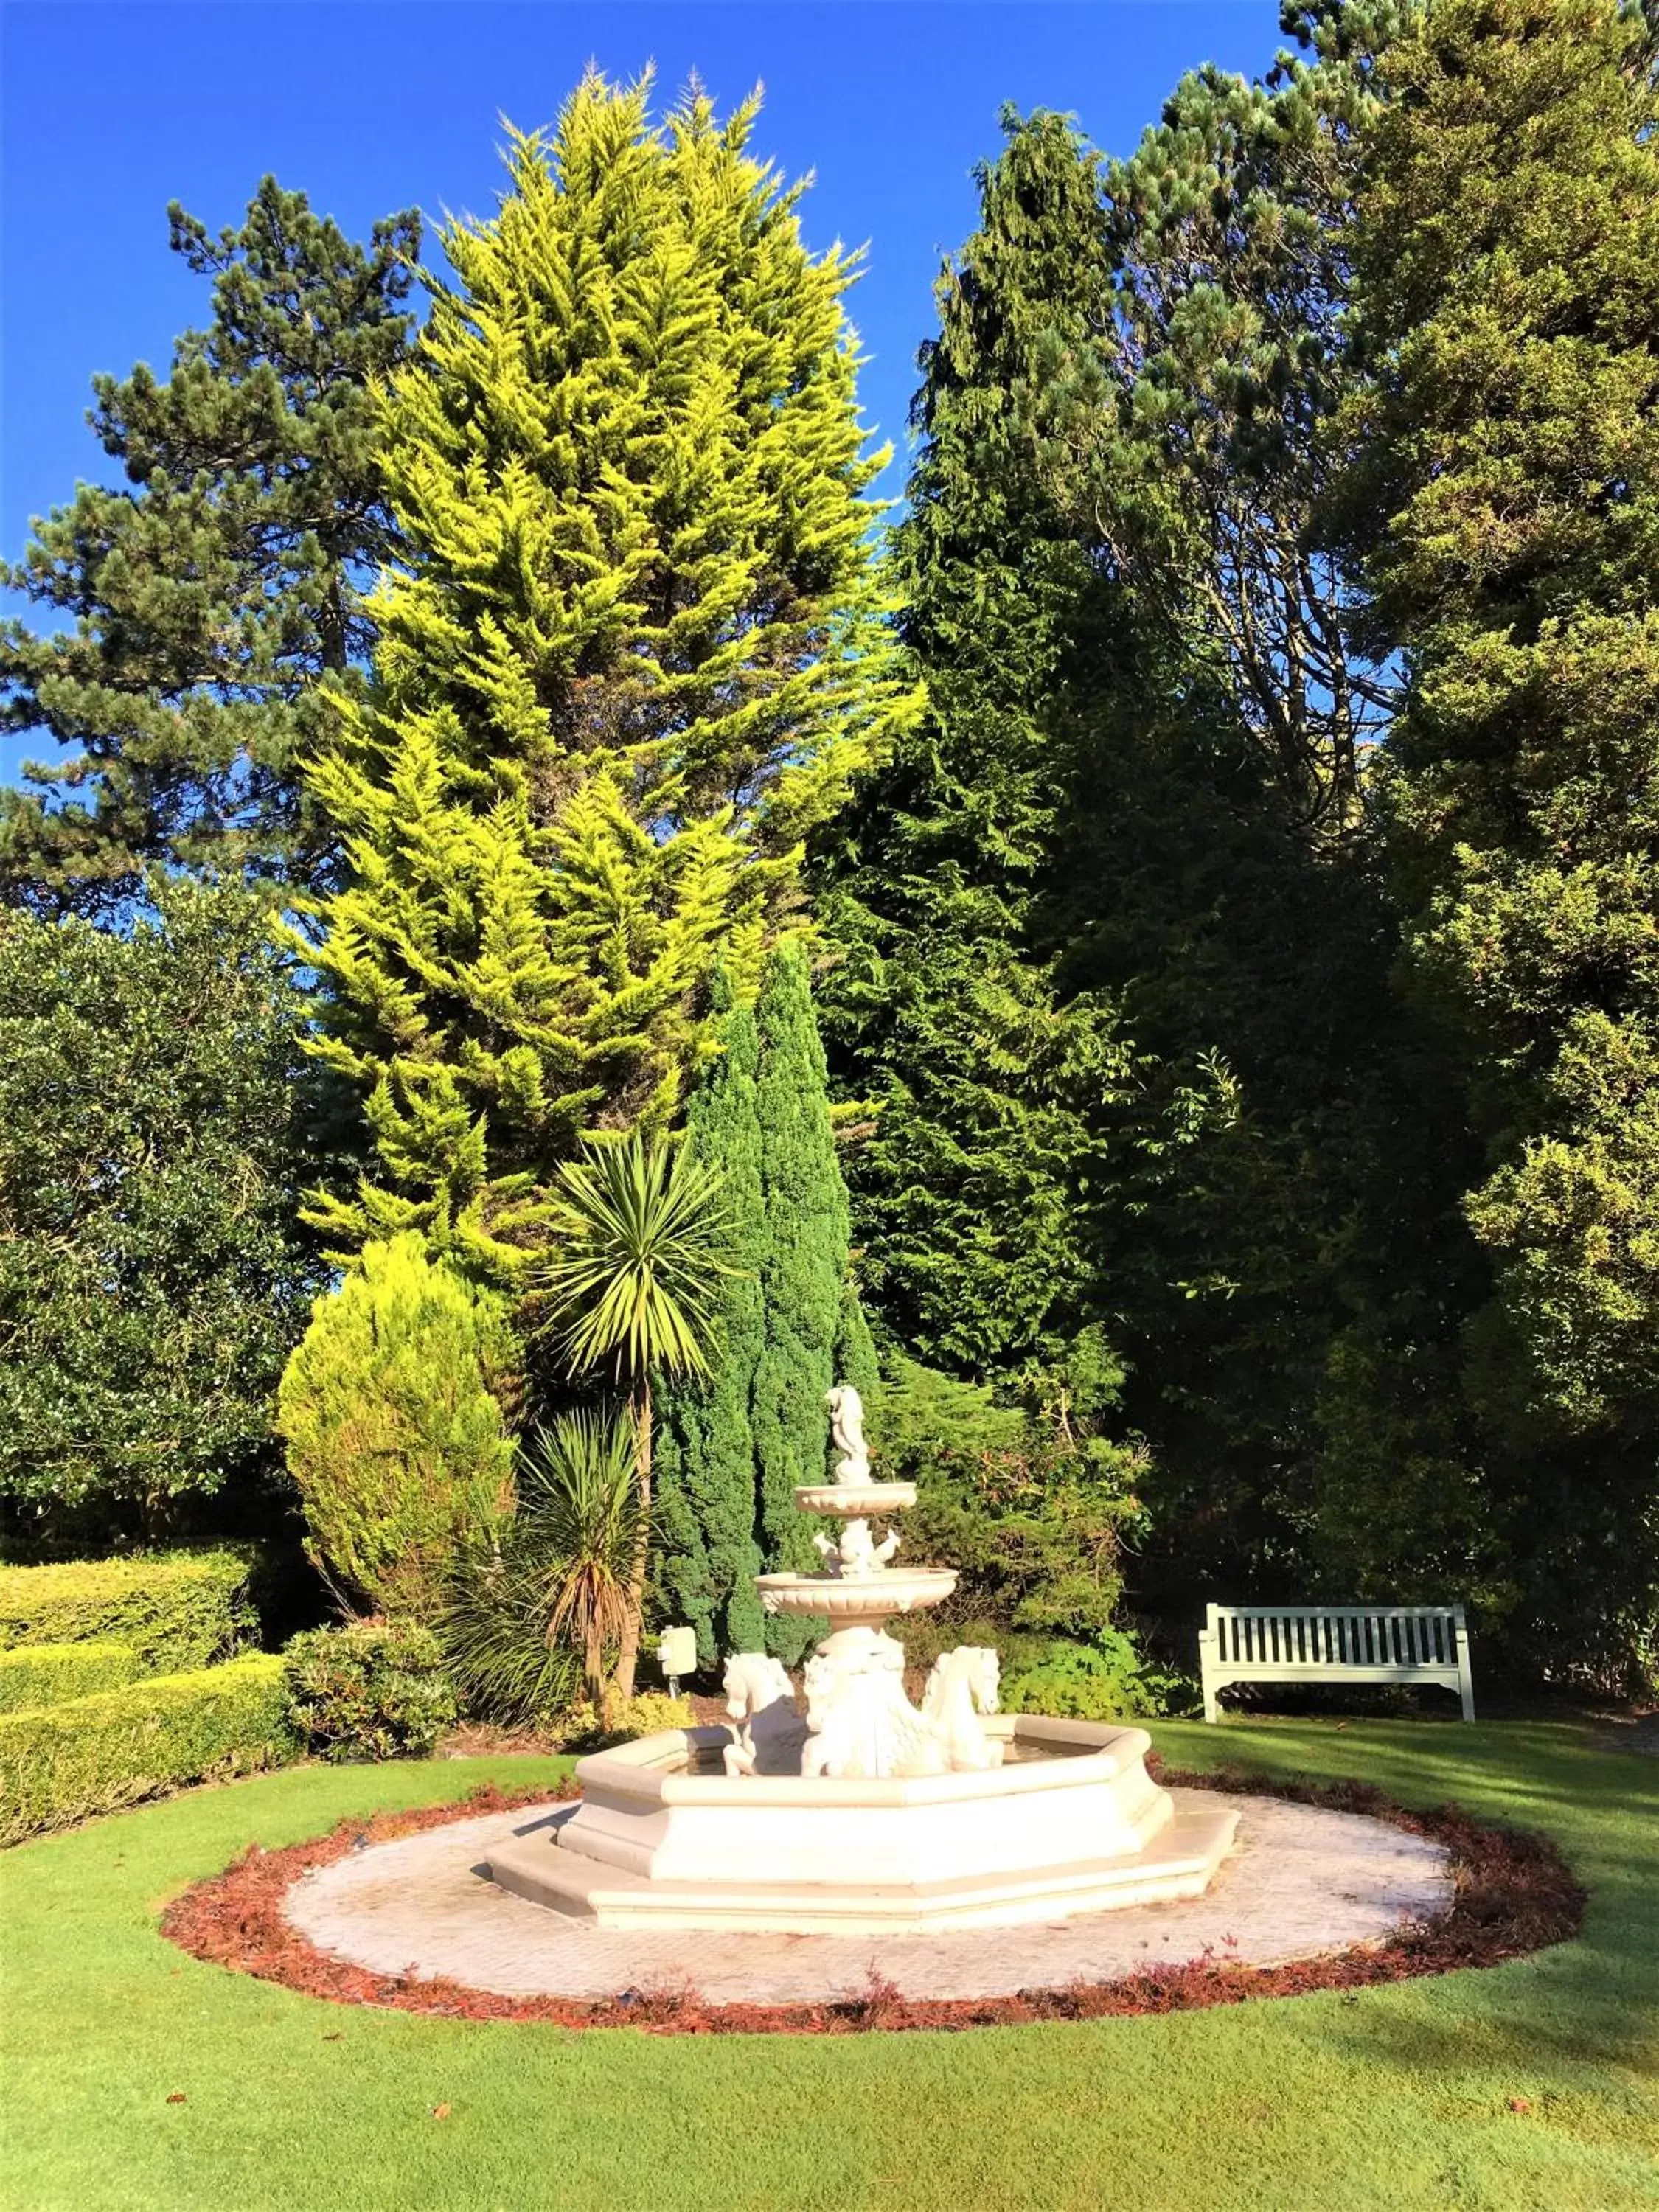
(580, 1728)
(172, 1610)
(155, 1115)
(1030, 1509)
(53, 1674)
(1106, 1679)
(395, 1440)
(60, 1763)
(927, 1636)
(378, 1690)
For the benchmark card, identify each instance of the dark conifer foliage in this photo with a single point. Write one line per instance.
(731, 1450)
(942, 1010)
(1504, 491)
(194, 614)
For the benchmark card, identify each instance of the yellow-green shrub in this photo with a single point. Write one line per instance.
(53, 1674)
(60, 1763)
(395, 1442)
(172, 1610)
(580, 1727)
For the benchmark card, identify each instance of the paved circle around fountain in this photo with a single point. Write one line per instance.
(1300, 1883)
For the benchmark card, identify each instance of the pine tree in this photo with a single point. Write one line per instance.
(942, 1010)
(1212, 871)
(1505, 490)
(219, 589)
(633, 654)
(732, 1451)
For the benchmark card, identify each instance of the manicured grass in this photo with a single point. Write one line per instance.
(1396, 2096)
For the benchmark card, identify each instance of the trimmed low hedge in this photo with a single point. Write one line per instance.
(53, 1674)
(172, 1610)
(60, 1763)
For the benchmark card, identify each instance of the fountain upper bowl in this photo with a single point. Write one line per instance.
(852, 1500)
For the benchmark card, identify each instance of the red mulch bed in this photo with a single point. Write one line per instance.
(1514, 1894)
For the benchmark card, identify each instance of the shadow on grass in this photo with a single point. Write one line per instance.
(1588, 2003)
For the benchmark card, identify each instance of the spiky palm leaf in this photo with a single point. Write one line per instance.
(631, 1281)
(635, 1265)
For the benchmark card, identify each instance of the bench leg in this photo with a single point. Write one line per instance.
(1465, 1680)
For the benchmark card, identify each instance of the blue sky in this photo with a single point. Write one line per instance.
(107, 113)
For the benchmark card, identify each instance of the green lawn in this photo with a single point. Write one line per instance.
(1392, 2098)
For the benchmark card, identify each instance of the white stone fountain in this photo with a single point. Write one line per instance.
(872, 1814)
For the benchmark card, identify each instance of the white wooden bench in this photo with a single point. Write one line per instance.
(1334, 1644)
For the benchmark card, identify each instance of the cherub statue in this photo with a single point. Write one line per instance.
(847, 1426)
(857, 1553)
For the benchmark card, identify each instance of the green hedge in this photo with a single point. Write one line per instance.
(53, 1674)
(172, 1610)
(59, 1763)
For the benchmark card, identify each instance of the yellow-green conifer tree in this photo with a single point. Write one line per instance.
(635, 654)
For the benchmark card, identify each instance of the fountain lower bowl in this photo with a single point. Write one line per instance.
(849, 1600)
(1074, 1823)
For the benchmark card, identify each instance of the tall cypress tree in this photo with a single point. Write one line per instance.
(943, 1010)
(731, 1452)
(1505, 491)
(804, 1274)
(218, 590)
(705, 1519)
(635, 652)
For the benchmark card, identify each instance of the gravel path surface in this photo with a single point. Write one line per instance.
(1301, 1882)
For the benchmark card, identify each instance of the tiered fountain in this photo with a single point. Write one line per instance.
(870, 1814)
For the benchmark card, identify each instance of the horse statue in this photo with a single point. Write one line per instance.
(761, 1698)
(847, 1426)
(862, 1724)
(963, 1685)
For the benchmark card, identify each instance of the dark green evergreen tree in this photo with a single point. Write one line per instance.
(1214, 873)
(215, 593)
(941, 1009)
(1504, 492)
(707, 1527)
(730, 1453)
(804, 1274)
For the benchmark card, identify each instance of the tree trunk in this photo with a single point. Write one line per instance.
(628, 1656)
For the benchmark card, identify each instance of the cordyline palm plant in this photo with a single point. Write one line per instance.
(580, 1491)
(556, 1575)
(630, 1286)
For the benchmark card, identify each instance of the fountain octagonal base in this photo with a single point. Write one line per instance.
(1081, 1829)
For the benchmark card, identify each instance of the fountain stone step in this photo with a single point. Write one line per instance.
(1179, 1862)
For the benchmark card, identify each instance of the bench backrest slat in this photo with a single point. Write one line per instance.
(1337, 1635)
